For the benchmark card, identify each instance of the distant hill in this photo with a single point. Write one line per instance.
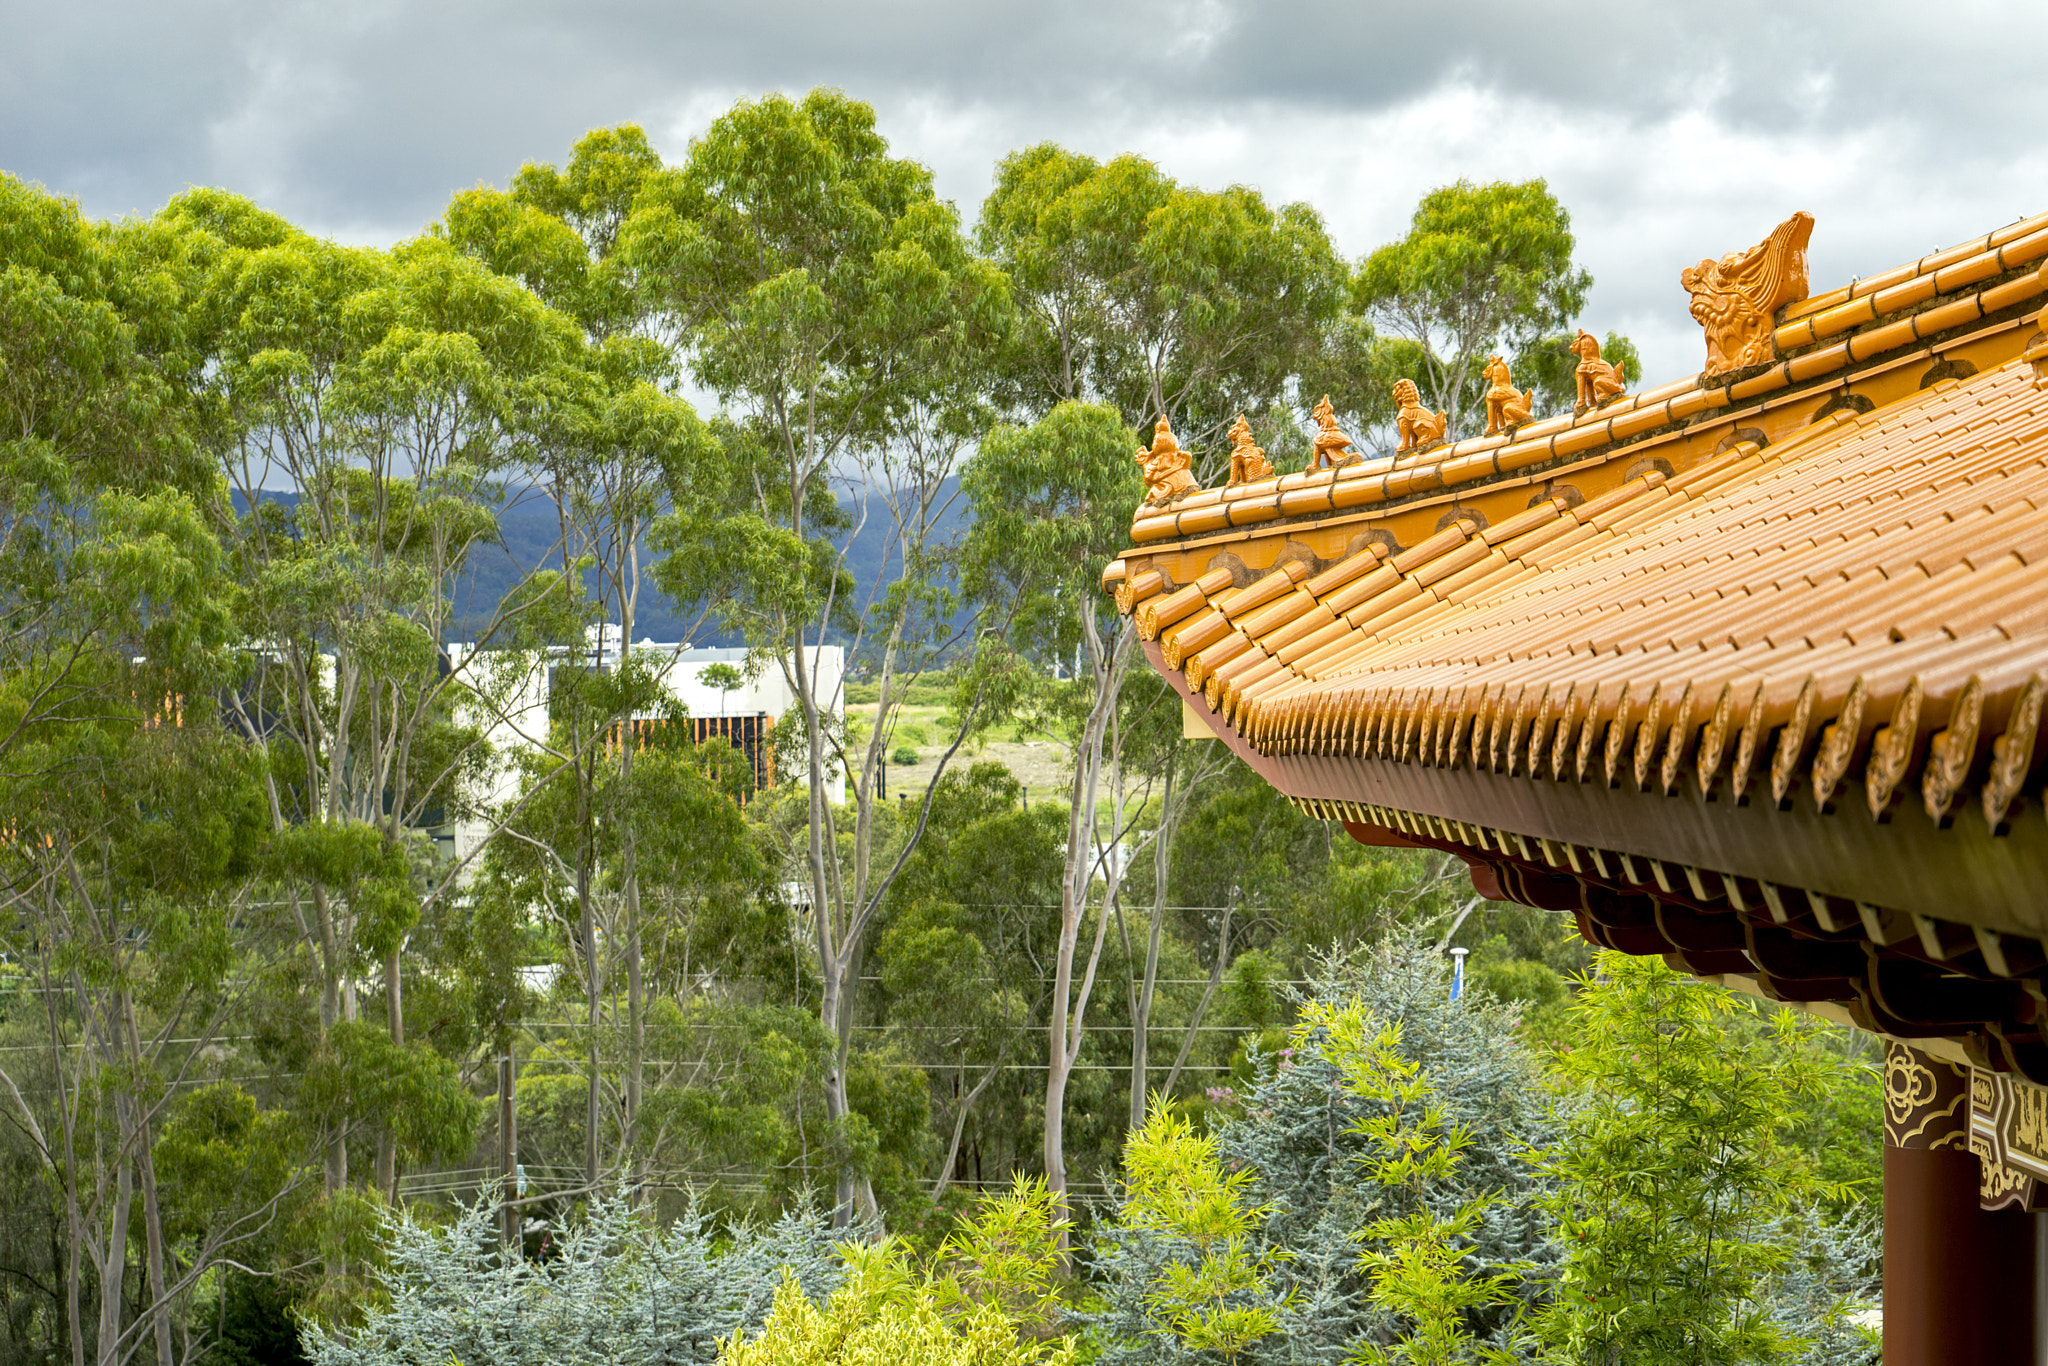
(528, 528)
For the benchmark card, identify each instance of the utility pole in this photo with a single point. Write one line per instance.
(508, 1142)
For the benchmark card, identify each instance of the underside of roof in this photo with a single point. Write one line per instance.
(1748, 672)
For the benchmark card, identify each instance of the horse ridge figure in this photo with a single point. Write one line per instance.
(1597, 380)
(1326, 448)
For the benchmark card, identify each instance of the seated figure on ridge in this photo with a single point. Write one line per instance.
(1326, 448)
(1248, 463)
(1418, 426)
(1506, 406)
(1165, 467)
(1598, 380)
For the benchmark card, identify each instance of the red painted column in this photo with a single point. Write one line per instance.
(1958, 1279)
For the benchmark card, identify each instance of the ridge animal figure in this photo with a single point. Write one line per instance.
(1506, 406)
(1418, 425)
(1165, 467)
(1247, 462)
(1735, 298)
(1326, 448)
(1598, 380)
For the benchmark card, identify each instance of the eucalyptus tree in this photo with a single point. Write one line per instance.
(1159, 299)
(1153, 300)
(1050, 503)
(364, 403)
(829, 299)
(960, 962)
(614, 451)
(1483, 268)
(131, 821)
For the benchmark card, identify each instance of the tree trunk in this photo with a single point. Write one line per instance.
(1060, 1055)
(636, 1021)
(1187, 1041)
(137, 1122)
(113, 1266)
(332, 970)
(1141, 1018)
(387, 1140)
(587, 931)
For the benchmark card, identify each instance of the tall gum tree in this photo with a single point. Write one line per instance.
(129, 832)
(1482, 268)
(616, 449)
(830, 300)
(364, 403)
(1047, 500)
(1139, 298)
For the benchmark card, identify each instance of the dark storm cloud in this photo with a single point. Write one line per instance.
(368, 112)
(1672, 130)
(371, 113)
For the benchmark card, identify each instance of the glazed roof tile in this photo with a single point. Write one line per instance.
(1903, 552)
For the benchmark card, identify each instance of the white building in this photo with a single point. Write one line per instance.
(746, 715)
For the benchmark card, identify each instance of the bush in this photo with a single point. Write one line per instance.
(885, 1313)
(616, 1290)
(1306, 1146)
(903, 756)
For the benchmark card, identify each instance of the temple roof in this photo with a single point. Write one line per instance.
(1768, 700)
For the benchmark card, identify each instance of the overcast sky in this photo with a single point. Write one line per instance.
(1670, 131)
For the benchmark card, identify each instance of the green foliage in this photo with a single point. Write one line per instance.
(1482, 268)
(1150, 296)
(1051, 502)
(1416, 1256)
(1008, 1253)
(903, 754)
(1214, 1290)
(885, 1312)
(1672, 1172)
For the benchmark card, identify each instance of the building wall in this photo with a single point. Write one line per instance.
(521, 680)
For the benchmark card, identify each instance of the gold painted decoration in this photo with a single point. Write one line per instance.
(2009, 1135)
(1506, 406)
(1735, 297)
(1951, 752)
(1925, 1100)
(1596, 380)
(1417, 425)
(1248, 462)
(1165, 467)
(1326, 449)
(1891, 750)
(2012, 755)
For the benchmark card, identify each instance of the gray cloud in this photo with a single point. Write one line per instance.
(1673, 131)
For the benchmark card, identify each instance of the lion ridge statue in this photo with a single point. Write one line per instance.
(1417, 425)
(1248, 462)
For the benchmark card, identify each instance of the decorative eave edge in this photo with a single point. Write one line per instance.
(1263, 657)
